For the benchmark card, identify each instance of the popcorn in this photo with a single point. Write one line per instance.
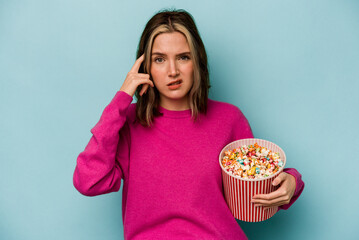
(249, 166)
(251, 162)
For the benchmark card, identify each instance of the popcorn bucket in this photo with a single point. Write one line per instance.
(238, 192)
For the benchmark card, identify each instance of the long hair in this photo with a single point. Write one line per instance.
(168, 21)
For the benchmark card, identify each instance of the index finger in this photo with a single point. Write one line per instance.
(137, 64)
(268, 196)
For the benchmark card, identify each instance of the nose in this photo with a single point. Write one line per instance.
(173, 69)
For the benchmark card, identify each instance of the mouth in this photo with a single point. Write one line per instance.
(179, 81)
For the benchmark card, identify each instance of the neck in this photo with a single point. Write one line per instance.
(175, 105)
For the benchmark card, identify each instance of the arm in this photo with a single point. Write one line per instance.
(97, 171)
(290, 187)
(291, 184)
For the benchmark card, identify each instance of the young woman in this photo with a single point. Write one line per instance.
(165, 147)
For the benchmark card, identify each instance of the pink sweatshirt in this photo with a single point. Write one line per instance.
(172, 184)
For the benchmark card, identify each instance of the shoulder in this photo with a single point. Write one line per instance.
(225, 109)
(231, 116)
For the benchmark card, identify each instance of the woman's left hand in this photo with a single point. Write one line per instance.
(281, 196)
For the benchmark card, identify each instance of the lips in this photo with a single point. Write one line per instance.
(179, 81)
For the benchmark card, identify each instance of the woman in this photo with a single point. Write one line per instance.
(165, 147)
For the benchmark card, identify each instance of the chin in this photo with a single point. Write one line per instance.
(176, 95)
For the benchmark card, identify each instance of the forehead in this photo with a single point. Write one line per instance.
(170, 43)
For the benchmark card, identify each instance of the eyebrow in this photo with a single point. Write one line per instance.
(163, 54)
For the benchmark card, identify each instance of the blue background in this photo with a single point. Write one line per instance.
(291, 66)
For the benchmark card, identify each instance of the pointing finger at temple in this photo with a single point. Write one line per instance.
(137, 64)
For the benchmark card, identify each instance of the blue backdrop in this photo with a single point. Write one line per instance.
(291, 66)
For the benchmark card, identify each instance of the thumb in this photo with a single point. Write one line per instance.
(278, 179)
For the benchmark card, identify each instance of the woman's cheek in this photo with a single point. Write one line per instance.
(189, 68)
(158, 75)
(154, 74)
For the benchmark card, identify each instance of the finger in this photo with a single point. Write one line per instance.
(274, 202)
(144, 89)
(142, 75)
(145, 81)
(146, 84)
(269, 196)
(279, 179)
(263, 202)
(137, 64)
(277, 204)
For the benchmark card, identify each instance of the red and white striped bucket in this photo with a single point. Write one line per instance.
(238, 192)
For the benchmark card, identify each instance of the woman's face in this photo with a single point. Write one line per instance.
(172, 70)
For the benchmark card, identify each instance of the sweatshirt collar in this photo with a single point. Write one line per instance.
(175, 114)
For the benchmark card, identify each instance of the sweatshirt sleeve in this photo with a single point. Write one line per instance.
(298, 189)
(98, 169)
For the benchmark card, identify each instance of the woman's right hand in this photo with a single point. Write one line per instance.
(134, 79)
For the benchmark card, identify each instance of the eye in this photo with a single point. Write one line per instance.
(185, 57)
(156, 60)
